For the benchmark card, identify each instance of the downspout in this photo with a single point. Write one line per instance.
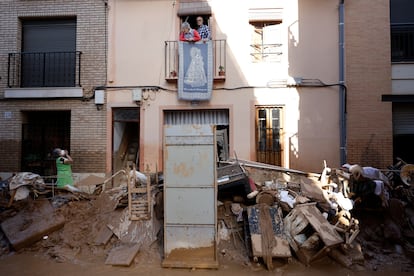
(342, 88)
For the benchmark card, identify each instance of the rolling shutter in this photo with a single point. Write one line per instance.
(403, 118)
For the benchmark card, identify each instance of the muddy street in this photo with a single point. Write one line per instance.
(31, 263)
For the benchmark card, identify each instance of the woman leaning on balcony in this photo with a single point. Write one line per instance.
(188, 34)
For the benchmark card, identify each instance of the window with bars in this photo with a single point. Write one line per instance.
(402, 30)
(269, 134)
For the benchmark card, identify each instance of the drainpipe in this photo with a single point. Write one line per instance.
(342, 88)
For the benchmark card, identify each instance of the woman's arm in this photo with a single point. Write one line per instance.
(67, 159)
(197, 36)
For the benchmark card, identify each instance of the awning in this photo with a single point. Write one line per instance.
(194, 8)
(265, 14)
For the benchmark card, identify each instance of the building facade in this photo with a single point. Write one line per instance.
(52, 56)
(294, 83)
(278, 102)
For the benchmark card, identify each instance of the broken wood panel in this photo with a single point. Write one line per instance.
(281, 248)
(122, 255)
(29, 226)
(308, 217)
(103, 236)
(325, 230)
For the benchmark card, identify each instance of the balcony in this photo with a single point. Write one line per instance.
(44, 69)
(266, 52)
(171, 60)
(402, 43)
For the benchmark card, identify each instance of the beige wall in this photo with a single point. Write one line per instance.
(138, 29)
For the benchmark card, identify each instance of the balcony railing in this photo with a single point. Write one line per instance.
(171, 59)
(44, 69)
(402, 43)
(266, 52)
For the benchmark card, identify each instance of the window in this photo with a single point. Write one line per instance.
(49, 57)
(192, 19)
(266, 41)
(269, 135)
(402, 30)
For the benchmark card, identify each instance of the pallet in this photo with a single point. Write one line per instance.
(139, 199)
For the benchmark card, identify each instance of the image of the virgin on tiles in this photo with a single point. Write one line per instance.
(195, 76)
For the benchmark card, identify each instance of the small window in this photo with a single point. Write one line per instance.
(269, 134)
(266, 41)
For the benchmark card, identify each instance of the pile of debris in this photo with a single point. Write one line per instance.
(311, 215)
(110, 224)
(353, 214)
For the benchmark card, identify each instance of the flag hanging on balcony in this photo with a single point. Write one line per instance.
(195, 76)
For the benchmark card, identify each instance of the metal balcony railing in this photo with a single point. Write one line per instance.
(402, 43)
(44, 69)
(171, 59)
(266, 52)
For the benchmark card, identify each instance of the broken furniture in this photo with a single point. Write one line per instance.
(268, 240)
(309, 234)
(232, 180)
(139, 198)
(190, 197)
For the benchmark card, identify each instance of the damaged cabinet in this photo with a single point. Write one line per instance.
(190, 197)
(309, 234)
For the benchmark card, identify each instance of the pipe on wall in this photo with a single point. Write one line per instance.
(342, 89)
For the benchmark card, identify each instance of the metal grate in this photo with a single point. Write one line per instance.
(402, 42)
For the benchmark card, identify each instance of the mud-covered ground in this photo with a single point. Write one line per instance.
(69, 251)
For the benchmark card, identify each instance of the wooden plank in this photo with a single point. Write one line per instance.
(325, 230)
(30, 225)
(253, 164)
(281, 248)
(103, 236)
(122, 255)
(139, 208)
(139, 190)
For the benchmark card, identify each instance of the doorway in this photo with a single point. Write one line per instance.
(125, 138)
(42, 131)
(403, 131)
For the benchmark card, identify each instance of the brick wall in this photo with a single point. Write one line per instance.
(88, 125)
(368, 76)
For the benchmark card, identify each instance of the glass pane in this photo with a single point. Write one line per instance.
(126, 114)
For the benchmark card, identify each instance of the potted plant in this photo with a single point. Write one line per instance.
(173, 74)
(221, 71)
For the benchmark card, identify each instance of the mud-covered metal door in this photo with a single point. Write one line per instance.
(190, 216)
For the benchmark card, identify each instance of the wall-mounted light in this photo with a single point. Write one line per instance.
(99, 99)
